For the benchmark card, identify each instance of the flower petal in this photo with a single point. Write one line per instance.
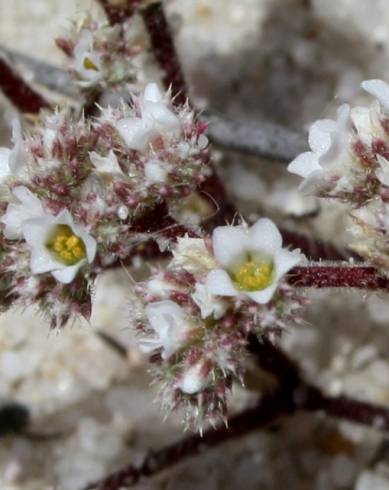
(360, 117)
(230, 244)
(134, 133)
(152, 93)
(209, 304)
(170, 322)
(159, 117)
(284, 261)
(219, 283)
(193, 380)
(68, 273)
(29, 207)
(319, 139)
(108, 164)
(304, 164)
(379, 89)
(264, 236)
(4, 164)
(264, 296)
(155, 173)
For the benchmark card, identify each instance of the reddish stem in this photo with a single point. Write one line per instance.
(164, 50)
(293, 394)
(160, 37)
(346, 408)
(119, 13)
(19, 92)
(317, 276)
(308, 397)
(267, 411)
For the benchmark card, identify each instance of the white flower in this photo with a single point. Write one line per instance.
(12, 161)
(155, 173)
(107, 165)
(155, 119)
(329, 141)
(87, 62)
(193, 380)
(171, 325)
(28, 206)
(252, 261)
(192, 255)
(209, 304)
(58, 245)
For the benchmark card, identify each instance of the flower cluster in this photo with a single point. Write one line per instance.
(349, 162)
(77, 196)
(200, 311)
(107, 56)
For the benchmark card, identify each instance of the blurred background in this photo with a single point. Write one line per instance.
(86, 405)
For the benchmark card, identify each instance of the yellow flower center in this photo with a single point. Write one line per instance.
(254, 276)
(89, 65)
(66, 246)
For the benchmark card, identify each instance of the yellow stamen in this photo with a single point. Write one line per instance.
(89, 65)
(66, 246)
(254, 276)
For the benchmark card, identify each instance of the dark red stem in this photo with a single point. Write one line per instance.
(266, 412)
(161, 39)
(19, 92)
(119, 13)
(308, 397)
(318, 276)
(164, 50)
(293, 394)
(346, 408)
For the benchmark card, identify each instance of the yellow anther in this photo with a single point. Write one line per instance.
(89, 65)
(67, 256)
(254, 276)
(78, 252)
(66, 246)
(72, 241)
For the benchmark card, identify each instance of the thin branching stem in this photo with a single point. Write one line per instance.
(338, 276)
(268, 410)
(293, 394)
(119, 12)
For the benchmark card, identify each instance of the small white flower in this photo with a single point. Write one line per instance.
(193, 380)
(209, 304)
(155, 173)
(329, 142)
(12, 161)
(171, 325)
(58, 245)
(192, 255)
(28, 206)
(87, 62)
(155, 119)
(252, 260)
(107, 165)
